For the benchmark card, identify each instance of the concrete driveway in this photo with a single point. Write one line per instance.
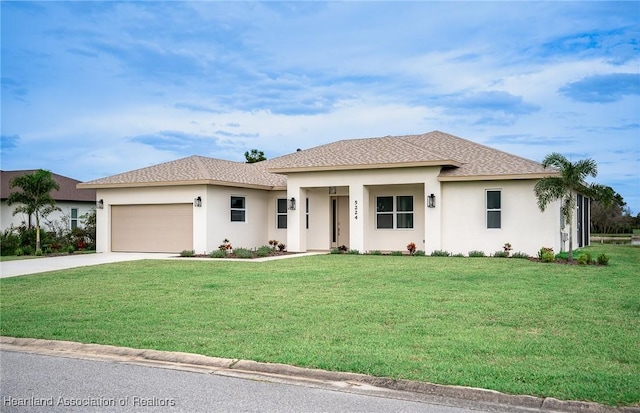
(37, 265)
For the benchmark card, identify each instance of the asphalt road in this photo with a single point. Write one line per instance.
(43, 383)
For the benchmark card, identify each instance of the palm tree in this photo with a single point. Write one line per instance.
(35, 198)
(563, 187)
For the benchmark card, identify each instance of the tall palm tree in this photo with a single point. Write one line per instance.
(35, 198)
(565, 186)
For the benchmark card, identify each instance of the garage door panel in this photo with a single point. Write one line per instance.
(152, 228)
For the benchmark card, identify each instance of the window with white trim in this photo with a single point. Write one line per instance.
(74, 218)
(494, 209)
(394, 212)
(281, 213)
(238, 209)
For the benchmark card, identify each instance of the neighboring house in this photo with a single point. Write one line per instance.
(73, 202)
(436, 190)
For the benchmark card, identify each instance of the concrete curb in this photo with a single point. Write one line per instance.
(456, 392)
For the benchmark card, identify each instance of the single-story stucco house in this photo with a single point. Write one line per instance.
(73, 202)
(436, 190)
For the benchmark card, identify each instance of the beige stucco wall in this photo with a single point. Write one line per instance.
(464, 229)
(7, 218)
(456, 224)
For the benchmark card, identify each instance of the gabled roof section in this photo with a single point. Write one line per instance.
(194, 170)
(459, 158)
(67, 191)
(369, 153)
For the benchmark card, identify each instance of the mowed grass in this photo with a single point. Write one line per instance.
(570, 332)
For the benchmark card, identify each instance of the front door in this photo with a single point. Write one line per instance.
(339, 221)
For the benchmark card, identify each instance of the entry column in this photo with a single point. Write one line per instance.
(357, 211)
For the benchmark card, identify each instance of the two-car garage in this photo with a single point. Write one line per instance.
(152, 228)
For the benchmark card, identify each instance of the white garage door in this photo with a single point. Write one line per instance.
(152, 228)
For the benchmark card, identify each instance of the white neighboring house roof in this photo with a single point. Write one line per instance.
(459, 158)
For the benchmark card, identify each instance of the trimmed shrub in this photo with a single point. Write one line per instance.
(71, 249)
(263, 251)
(440, 253)
(476, 254)
(419, 253)
(19, 252)
(336, 251)
(27, 249)
(218, 254)
(375, 252)
(520, 255)
(187, 253)
(39, 252)
(458, 255)
(354, 252)
(603, 259)
(243, 253)
(583, 259)
(396, 253)
(501, 254)
(546, 255)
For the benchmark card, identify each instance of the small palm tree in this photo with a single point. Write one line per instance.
(565, 186)
(35, 198)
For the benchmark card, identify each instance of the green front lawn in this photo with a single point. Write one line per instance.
(566, 331)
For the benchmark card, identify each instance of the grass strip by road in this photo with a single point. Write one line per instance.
(549, 330)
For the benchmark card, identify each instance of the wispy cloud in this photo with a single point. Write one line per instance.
(603, 88)
(8, 143)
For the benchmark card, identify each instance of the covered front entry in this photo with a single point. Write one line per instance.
(152, 228)
(339, 221)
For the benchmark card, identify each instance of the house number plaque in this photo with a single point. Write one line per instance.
(355, 209)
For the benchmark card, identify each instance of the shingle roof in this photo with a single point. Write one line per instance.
(67, 192)
(461, 158)
(195, 170)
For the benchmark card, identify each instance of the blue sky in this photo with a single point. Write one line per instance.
(90, 89)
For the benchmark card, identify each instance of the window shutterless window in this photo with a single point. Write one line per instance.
(281, 213)
(405, 212)
(238, 209)
(384, 212)
(74, 218)
(402, 214)
(494, 209)
(307, 212)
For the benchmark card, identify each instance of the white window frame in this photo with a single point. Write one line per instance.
(488, 210)
(281, 214)
(395, 212)
(233, 209)
(74, 221)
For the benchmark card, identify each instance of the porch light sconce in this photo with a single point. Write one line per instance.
(332, 190)
(431, 201)
(292, 204)
(197, 202)
(100, 204)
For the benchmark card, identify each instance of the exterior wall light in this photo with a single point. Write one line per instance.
(292, 204)
(197, 202)
(100, 204)
(431, 201)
